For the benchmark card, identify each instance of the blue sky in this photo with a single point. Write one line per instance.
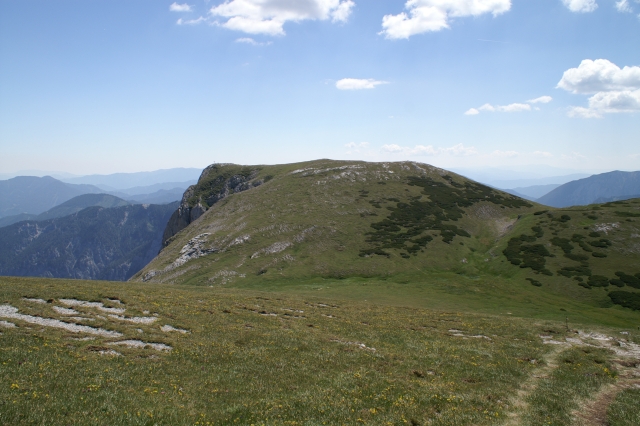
(122, 86)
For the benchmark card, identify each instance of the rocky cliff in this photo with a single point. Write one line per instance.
(216, 182)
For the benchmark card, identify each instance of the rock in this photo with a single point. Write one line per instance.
(216, 182)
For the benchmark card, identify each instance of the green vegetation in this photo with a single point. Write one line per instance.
(579, 373)
(624, 409)
(626, 299)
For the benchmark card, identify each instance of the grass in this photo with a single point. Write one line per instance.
(313, 362)
(581, 372)
(624, 409)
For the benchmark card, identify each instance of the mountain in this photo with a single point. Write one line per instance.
(151, 189)
(120, 181)
(34, 195)
(287, 225)
(162, 196)
(94, 243)
(623, 185)
(541, 181)
(69, 207)
(532, 192)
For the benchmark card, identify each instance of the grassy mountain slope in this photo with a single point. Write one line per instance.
(34, 195)
(238, 357)
(94, 243)
(406, 233)
(587, 191)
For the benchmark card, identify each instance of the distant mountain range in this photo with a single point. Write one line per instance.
(93, 243)
(25, 197)
(68, 207)
(612, 186)
(121, 181)
(532, 192)
(34, 195)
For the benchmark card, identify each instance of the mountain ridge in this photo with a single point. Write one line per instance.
(588, 190)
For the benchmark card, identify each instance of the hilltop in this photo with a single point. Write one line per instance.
(391, 231)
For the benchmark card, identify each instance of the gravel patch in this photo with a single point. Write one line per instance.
(141, 345)
(65, 311)
(167, 328)
(135, 320)
(7, 311)
(28, 299)
(97, 305)
(7, 324)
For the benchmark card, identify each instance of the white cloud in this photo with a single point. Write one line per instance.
(435, 15)
(542, 154)
(343, 11)
(517, 107)
(598, 76)
(581, 6)
(623, 6)
(540, 100)
(190, 21)
(175, 7)
(613, 89)
(419, 150)
(358, 83)
(625, 101)
(249, 40)
(269, 16)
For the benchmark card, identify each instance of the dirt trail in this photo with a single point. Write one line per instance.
(594, 411)
(519, 403)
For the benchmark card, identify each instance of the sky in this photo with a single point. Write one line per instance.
(123, 86)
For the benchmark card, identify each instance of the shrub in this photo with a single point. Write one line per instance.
(630, 280)
(596, 254)
(626, 299)
(534, 282)
(601, 243)
(598, 281)
(570, 271)
(616, 282)
(563, 243)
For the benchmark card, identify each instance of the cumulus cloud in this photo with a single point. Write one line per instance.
(515, 107)
(599, 76)
(623, 6)
(613, 89)
(269, 16)
(542, 154)
(191, 21)
(175, 7)
(505, 108)
(358, 83)
(458, 150)
(581, 6)
(540, 100)
(249, 40)
(435, 15)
